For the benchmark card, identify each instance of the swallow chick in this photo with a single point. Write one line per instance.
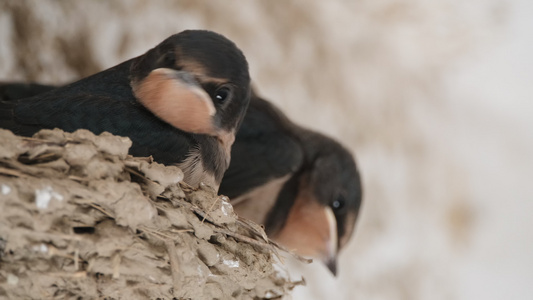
(304, 187)
(181, 102)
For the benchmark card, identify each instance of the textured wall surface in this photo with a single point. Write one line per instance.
(434, 98)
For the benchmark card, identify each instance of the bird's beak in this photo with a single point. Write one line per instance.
(177, 98)
(311, 230)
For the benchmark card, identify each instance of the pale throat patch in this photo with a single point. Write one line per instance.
(194, 171)
(193, 167)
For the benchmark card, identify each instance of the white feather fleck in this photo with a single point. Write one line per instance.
(12, 279)
(44, 196)
(5, 189)
(231, 263)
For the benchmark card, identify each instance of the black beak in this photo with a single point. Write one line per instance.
(332, 266)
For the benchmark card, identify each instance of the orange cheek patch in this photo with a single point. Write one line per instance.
(308, 229)
(180, 104)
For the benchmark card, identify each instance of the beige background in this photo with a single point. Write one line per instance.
(434, 98)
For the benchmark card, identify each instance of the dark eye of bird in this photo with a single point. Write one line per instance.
(338, 204)
(222, 94)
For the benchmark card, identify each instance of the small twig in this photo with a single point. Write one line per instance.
(157, 233)
(33, 233)
(135, 172)
(32, 139)
(210, 209)
(100, 209)
(81, 274)
(202, 214)
(76, 258)
(181, 230)
(253, 227)
(116, 265)
(163, 197)
(244, 238)
(174, 264)
(77, 178)
(44, 155)
(11, 172)
(185, 187)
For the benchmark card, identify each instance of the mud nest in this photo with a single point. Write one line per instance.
(80, 218)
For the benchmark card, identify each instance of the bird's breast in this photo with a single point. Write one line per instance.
(194, 170)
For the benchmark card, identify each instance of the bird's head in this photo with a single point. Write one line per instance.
(326, 205)
(197, 81)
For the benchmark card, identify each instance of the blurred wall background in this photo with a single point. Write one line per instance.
(434, 98)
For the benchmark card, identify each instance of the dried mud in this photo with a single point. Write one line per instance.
(81, 219)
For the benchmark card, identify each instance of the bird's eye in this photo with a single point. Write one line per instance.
(222, 94)
(338, 204)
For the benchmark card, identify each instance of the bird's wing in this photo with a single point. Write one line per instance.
(264, 149)
(119, 115)
(19, 90)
